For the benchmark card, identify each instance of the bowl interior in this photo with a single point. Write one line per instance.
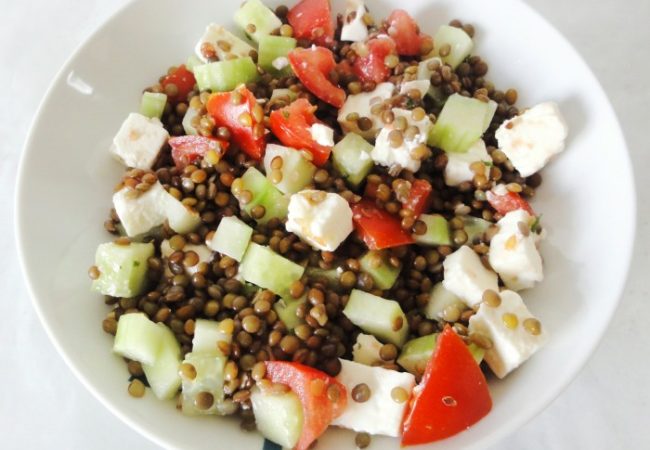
(67, 175)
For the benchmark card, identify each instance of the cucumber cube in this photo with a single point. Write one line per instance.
(439, 300)
(380, 317)
(222, 76)
(207, 335)
(192, 62)
(153, 104)
(266, 269)
(181, 218)
(275, 204)
(231, 238)
(475, 227)
(437, 230)
(208, 380)
(256, 19)
(329, 277)
(286, 310)
(296, 171)
(123, 268)
(460, 44)
(416, 353)
(425, 71)
(137, 338)
(351, 157)
(288, 93)
(376, 264)
(278, 416)
(273, 51)
(162, 375)
(188, 118)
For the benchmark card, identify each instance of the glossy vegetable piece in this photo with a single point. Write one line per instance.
(377, 227)
(403, 29)
(510, 201)
(188, 150)
(184, 82)
(312, 66)
(222, 76)
(153, 104)
(452, 396)
(437, 230)
(418, 198)
(372, 67)
(311, 20)
(323, 398)
(273, 51)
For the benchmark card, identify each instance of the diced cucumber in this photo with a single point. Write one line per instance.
(380, 317)
(250, 289)
(162, 375)
(460, 44)
(265, 194)
(189, 116)
(286, 310)
(262, 19)
(156, 233)
(153, 104)
(416, 354)
(231, 238)
(437, 230)
(460, 124)
(296, 171)
(222, 76)
(137, 338)
(279, 416)
(192, 62)
(376, 264)
(181, 218)
(266, 269)
(351, 157)
(122, 268)
(329, 277)
(291, 95)
(424, 73)
(477, 352)
(366, 350)
(475, 227)
(270, 49)
(439, 300)
(207, 335)
(208, 380)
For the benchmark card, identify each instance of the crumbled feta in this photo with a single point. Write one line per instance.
(322, 134)
(139, 140)
(356, 29)
(203, 252)
(531, 139)
(322, 219)
(366, 350)
(513, 251)
(398, 158)
(514, 332)
(466, 277)
(280, 62)
(458, 165)
(380, 414)
(225, 44)
(422, 86)
(361, 104)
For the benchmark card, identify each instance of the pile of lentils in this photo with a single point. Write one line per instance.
(213, 190)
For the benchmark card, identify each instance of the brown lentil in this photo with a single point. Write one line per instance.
(136, 388)
(360, 393)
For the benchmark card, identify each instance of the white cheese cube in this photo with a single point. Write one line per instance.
(531, 139)
(140, 213)
(458, 165)
(466, 277)
(380, 414)
(139, 140)
(203, 252)
(226, 45)
(514, 332)
(354, 27)
(322, 219)
(361, 104)
(513, 254)
(322, 134)
(422, 86)
(366, 350)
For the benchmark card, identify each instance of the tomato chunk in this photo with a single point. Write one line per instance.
(323, 398)
(291, 125)
(237, 111)
(452, 396)
(311, 20)
(187, 150)
(378, 228)
(405, 32)
(184, 81)
(312, 67)
(511, 201)
(371, 64)
(418, 198)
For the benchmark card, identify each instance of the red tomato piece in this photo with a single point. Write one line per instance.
(184, 81)
(372, 66)
(187, 150)
(311, 20)
(505, 203)
(452, 396)
(311, 386)
(312, 67)
(418, 198)
(378, 228)
(405, 32)
(291, 125)
(236, 111)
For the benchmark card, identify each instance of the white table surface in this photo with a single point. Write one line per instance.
(42, 405)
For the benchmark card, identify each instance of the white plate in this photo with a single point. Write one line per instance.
(66, 179)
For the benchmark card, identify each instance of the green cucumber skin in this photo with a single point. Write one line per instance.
(296, 171)
(266, 269)
(460, 123)
(286, 311)
(275, 204)
(256, 13)
(417, 352)
(223, 76)
(123, 268)
(351, 157)
(385, 275)
(153, 104)
(377, 316)
(437, 231)
(273, 47)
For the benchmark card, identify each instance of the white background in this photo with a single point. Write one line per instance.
(42, 405)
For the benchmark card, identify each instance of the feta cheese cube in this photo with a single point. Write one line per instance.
(466, 277)
(366, 350)
(203, 252)
(514, 332)
(531, 139)
(380, 414)
(398, 158)
(422, 86)
(354, 27)
(361, 104)
(140, 213)
(139, 140)
(322, 219)
(513, 254)
(322, 134)
(225, 44)
(458, 165)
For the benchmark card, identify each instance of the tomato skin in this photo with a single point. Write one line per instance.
(226, 113)
(184, 81)
(418, 198)
(372, 67)
(452, 396)
(378, 228)
(512, 201)
(291, 125)
(405, 32)
(310, 15)
(187, 150)
(318, 409)
(312, 67)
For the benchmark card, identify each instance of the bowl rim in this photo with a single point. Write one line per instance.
(513, 424)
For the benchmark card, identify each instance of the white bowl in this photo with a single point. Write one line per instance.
(66, 179)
